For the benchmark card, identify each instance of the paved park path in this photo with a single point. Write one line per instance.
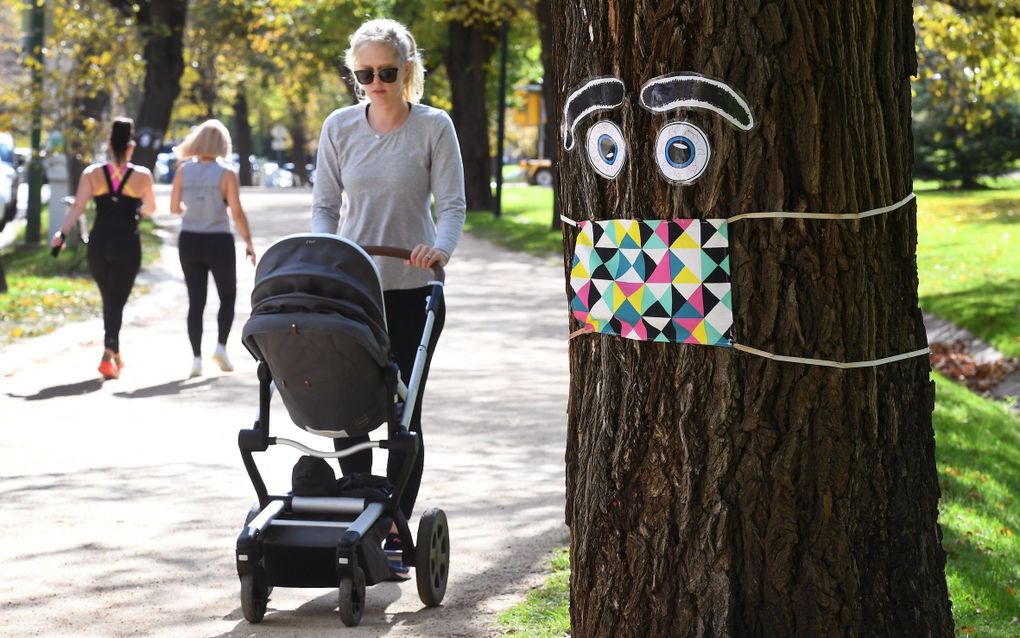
(121, 500)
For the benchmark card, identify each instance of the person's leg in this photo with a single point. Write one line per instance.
(124, 264)
(222, 261)
(360, 462)
(196, 277)
(99, 267)
(405, 316)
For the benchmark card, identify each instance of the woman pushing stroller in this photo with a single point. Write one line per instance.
(390, 155)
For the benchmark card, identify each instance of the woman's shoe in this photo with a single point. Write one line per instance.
(196, 368)
(108, 368)
(221, 358)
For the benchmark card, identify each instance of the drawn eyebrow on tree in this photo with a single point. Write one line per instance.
(693, 91)
(600, 94)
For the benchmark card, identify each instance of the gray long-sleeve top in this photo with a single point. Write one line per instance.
(388, 180)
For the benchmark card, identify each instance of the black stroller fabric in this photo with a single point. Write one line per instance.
(312, 476)
(318, 321)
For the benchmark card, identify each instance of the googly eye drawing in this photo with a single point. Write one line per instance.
(598, 94)
(682, 152)
(606, 148)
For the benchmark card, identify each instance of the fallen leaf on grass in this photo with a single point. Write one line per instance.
(968, 630)
(951, 359)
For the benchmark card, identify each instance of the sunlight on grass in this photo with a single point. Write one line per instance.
(545, 613)
(969, 264)
(978, 456)
(525, 225)
(46, 293)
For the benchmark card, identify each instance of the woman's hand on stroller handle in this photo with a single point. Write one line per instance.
(423, 256)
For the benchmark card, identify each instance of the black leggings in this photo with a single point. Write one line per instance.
(201, 253)
(114, 265)
(405, 319)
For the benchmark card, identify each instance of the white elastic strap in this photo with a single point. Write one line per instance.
(830, 364)
(867, 213)
(567, 220)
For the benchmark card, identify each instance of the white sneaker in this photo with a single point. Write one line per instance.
(196, 368)
(221, 358)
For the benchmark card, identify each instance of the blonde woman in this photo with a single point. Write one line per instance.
(391, 155)
(203, 189)
(121, 191)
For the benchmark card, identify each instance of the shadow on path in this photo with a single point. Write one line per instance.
(58, 391)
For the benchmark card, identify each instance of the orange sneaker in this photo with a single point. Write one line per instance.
(108, 369)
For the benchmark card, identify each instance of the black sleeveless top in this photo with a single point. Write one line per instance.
(116, 213)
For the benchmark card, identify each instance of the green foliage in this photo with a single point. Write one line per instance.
(967, 55)
(968, 264)
(948, 154)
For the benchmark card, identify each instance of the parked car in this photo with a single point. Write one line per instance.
(9, 179)
(538, 171)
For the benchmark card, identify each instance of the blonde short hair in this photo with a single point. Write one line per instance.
(209, 139)
(397, 37)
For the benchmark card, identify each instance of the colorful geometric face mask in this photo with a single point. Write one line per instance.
(654, 280)
(666, 280)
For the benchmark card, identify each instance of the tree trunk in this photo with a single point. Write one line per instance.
(711, 492)
(242, 137)
(469, 51)
(162, 28)
(550, 137)
(299, 152)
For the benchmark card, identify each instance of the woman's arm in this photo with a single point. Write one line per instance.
(81, 198)
(447, 183)
(327, 192)
(231, 189)
(175, 192)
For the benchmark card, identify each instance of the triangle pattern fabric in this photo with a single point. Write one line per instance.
(654, 280)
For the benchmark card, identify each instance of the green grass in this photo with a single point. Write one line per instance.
(546, 612)
(978, 458)
(968, 261)
(46, 293)
(525, 224)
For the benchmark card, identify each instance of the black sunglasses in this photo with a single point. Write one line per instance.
(366, 76)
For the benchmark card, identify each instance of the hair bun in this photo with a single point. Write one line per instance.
(120, 134)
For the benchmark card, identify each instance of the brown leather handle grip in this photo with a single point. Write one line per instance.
(403, 253)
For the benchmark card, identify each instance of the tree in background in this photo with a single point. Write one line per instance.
(711, 492)
(161, 25)
(953, 153)
(966, 108)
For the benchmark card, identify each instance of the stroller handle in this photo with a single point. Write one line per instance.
(403, 253)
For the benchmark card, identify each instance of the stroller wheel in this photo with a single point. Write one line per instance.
(254, 597)
(432, 559)
(352, 598)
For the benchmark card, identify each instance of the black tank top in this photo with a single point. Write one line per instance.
(116, 213)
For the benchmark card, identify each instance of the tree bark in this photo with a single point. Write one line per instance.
(469, 51)
(550, 137)
(242, 137)
(162, 28)
(711, 492)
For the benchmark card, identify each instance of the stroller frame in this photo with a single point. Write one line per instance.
(310, 524)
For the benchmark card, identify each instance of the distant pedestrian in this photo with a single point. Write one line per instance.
(121, 191)
(203, 189)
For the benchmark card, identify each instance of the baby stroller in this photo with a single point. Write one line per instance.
(318, 330)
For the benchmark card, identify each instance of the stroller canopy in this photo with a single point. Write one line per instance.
(318, 320)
